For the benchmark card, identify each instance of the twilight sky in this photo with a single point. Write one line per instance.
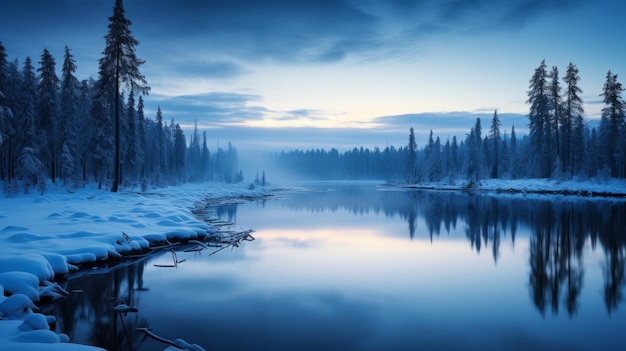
(343, 73)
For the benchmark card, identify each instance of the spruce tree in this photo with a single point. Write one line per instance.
(572, 120)
(411, 156)
(539, 122)
(48, 107)
(28, 165)
(5, 114)
(494, 135)
(69, 119)
(120, 66)
(132, 141)
(555, 104)
(141, 135)
(611, 124)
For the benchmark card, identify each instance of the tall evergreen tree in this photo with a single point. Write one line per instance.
(141, 135)
(70, 119)
(5, 112)
(131, 158)
(572, 119)
(411, 155)
(494, 135)
(555, 103)
(49, 110)
(539, 121)
(120, 66)
(28, 165)
(611, 124)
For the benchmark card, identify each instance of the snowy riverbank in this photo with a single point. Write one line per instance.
(606, 188)
(51, 234)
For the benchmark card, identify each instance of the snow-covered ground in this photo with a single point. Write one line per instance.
(45, 235)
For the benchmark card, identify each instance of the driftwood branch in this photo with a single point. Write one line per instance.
(179, 343)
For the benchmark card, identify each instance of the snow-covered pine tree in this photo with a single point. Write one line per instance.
(141, 139)
(494, 137)
(572, 121)
(411, 156)
(131, 154)
(180, 148)
(101, 149)
(611, 124)
(539, 122)
(29, 165)
(206, 159)
(454, 150)
(120, 66)
(555, 105)
(5, 112)
(69, 119)
(48, 112)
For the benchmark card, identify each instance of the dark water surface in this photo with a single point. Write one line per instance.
(360, 267)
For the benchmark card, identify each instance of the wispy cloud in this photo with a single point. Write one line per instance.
(211, 108)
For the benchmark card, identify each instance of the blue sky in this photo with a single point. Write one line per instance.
(321, 73)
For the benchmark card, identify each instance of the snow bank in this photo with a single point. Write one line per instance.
(46, 235)
(607, 188)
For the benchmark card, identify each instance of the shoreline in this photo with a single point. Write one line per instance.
(612, 189)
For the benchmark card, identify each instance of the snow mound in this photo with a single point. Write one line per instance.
(22, 283)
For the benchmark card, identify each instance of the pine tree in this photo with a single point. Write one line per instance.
(141, 136)
(49, 109)
(101, 150)
(206, 158)
(556, 106)
(131, 159)
(539, 121)
(513, 154)
(69, 118)
(475, 159)
(572, 119)
(611, 124)
(5, 114)
(180, 148)
(494, 135)
(411, 156)
(118, 66)
(29, 166)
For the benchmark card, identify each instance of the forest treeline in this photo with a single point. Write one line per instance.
(560, 143)
(61, 129)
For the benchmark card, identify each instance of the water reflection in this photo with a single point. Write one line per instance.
(87, 314)
(572, 257)
(559, 227)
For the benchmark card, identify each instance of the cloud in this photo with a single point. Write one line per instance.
(211, 108)
(204, 68)
(450, 121)
(252, 31)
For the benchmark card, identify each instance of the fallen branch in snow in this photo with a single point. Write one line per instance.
(178, 343)
(234, 240)
(176, 261)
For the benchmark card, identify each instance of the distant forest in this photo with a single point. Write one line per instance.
(560, 144)
(75, 132)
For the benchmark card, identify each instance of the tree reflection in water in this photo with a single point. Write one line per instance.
(90, 307)
(559, 228)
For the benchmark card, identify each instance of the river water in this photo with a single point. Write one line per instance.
(357, 266)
